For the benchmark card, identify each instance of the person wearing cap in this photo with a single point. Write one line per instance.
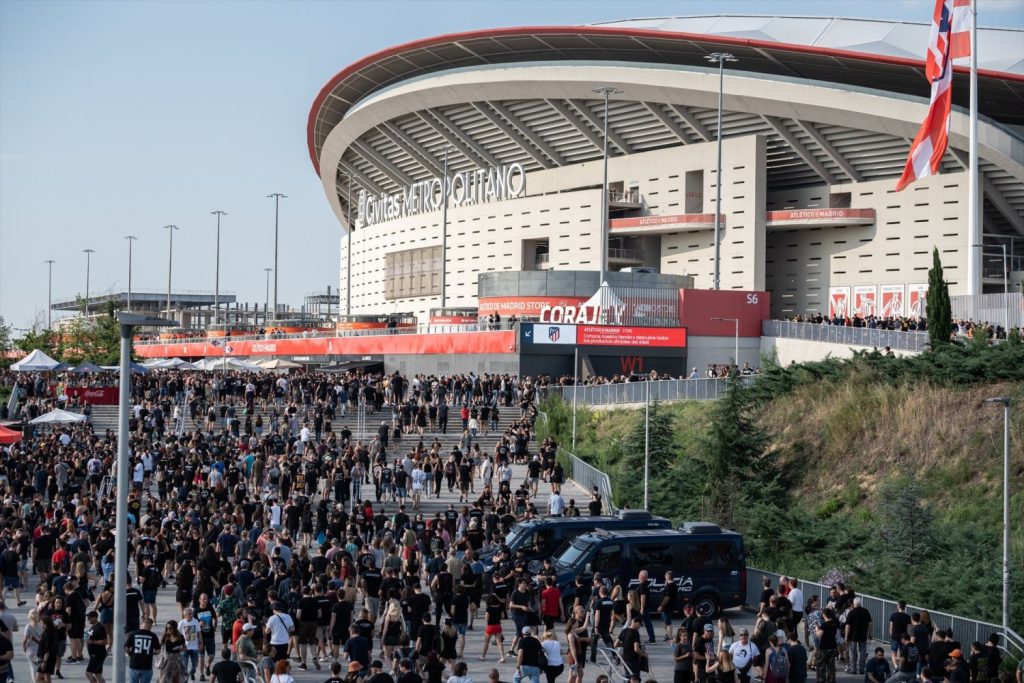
(527, 657)
(96, 645)
(743, 652)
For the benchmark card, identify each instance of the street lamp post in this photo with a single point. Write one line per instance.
(1005, 402)
(736, 352)
(126, 322)
(348, 247)
(647, 442)
(170, 256)
(277, 205)
(130, 238)
(88, 258)
(266, 301)
(216, 278)
(719, 58)
(49, 291)
(607, 91)
(444, 228)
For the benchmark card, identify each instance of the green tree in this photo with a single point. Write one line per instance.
(938, 310)
(96, 341)
(905, 522)
(6, 343)
(663, 455)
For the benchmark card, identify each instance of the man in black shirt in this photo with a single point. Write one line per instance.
(141, 646)
(632, 650)
(825, 656)
(899, 623)
(668, 601)
(603, 607)
(527, 657)
(227, 671)
(96, 645)
(858, 630)
(308, 616)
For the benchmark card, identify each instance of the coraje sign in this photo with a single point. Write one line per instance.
(467, 188)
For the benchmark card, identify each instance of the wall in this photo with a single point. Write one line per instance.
(447, 364)
(703, 351)
(801, 351)
(802, 264)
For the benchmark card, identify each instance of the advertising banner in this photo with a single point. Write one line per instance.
(838, 302)
(607, 335)
(543, 333)
(917, 300)
(864, 301)
(97, 396)
(525, 305)
(892, 301)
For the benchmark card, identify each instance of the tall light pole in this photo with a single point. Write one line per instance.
(719, 58)
(444, 227)
(266, 301)
(130, 238)
(88, 258)
(49, 291)
(216, 278)
(277, 203)
(170, 256)
(348, 247)
(607, 91)
(126, 322)
(1005, 401)
(647, 442)
(736, 356)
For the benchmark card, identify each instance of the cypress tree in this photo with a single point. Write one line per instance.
(938, 310)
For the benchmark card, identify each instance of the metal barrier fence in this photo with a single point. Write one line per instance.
(997, 309)
(701, 389)
(964, 630)
(897, 340)
(588, 476)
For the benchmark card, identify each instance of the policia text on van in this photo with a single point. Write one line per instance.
(708, 564)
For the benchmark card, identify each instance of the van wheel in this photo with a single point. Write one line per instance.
(706, 606)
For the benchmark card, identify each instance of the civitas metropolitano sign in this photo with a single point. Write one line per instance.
(465, 188)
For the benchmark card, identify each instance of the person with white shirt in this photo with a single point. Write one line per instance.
(139, 475)
(279, 629)
(556, 505)
(743, 652)
(189, 628)
(275, 515)
(796, 596)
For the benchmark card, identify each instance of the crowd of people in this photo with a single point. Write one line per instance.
(960, 329)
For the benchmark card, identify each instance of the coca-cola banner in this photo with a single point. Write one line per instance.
(97, 396)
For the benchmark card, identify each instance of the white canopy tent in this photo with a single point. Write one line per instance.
(37, 361)
(170, 364)
(279, 364)
(608, 303)
(224, 363)
(57, 417)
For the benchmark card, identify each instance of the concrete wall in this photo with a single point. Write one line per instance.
(451, 363)
(703, 351)
(800, 350)
(803, 263)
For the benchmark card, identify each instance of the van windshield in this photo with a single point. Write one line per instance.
(573, 554)
(515, 533)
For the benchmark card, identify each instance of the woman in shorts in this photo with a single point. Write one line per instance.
(493, 628)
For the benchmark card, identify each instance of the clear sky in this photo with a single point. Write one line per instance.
(118, 118)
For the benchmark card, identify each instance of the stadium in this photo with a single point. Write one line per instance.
(817, 115)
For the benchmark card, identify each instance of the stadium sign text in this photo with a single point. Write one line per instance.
(493, 184)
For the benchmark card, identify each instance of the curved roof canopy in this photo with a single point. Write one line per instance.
(874, 54)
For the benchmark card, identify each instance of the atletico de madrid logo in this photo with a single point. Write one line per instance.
(554, 333)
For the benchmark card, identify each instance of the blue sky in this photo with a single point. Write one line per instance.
(117, 118)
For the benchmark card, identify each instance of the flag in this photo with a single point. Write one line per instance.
(950, 39)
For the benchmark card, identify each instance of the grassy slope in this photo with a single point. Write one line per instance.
(836, 441)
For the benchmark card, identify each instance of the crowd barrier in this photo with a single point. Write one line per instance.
(700, 389)
(897, 340)
(964, 630)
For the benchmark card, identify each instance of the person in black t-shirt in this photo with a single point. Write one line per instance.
(528, 657)
(825, 656)
(96, 645)
(632, 649)
(227, 671)
(141, 646)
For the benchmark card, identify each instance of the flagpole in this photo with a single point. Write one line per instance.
(973, 195)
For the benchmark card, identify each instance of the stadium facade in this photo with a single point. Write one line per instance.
(818, 115)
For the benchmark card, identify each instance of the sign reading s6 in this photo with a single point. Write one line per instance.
(752, 298)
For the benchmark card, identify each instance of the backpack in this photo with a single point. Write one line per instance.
(778, 665)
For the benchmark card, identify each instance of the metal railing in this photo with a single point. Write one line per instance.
(989, 308)
(588, 477)
(700, 389)
(627, 254)
(851, 336)
(965, 630)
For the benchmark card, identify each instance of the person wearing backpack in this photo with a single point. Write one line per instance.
(776, 659)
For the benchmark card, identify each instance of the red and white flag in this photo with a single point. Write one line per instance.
(950, 39)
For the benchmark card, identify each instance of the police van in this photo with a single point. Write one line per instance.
(708, 563)
(544, 537)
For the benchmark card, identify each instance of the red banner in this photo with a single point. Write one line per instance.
(525, 305)
(382, 344)
(97, 396)
(608, 335)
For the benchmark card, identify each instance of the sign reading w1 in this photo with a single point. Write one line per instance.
(496, 183)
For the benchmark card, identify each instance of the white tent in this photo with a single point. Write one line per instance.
(57, 416)
(608, 303)
(224, 363)
(169, 364)
(37, 361)
(279, 364)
